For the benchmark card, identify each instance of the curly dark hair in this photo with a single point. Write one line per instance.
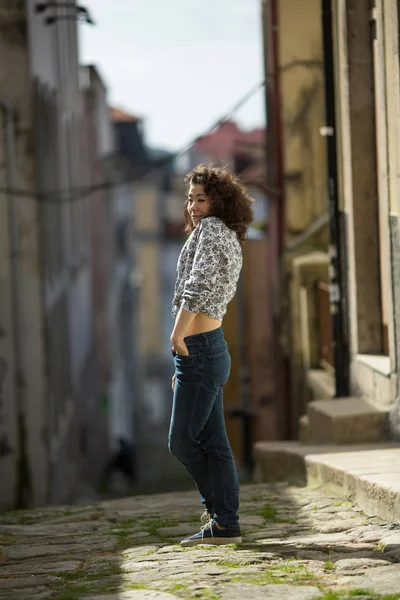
(229, 199)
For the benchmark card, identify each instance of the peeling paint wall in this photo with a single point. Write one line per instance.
(47, 348)
(301, 65)
(31, 482)
(305, 169)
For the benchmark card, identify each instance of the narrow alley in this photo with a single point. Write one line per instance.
(237, 160)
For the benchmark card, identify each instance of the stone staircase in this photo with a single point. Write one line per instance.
(330, 420)
(335, 433)
(329, 426)
(342, 421)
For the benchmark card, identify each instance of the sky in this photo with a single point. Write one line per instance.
(178, 64)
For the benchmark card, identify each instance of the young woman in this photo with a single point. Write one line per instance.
(217, 213)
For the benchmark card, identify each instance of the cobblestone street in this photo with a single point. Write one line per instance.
(299, 543)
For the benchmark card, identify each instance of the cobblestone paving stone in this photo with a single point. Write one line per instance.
(299, 544)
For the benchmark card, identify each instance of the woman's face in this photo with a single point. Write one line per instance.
(198, 203)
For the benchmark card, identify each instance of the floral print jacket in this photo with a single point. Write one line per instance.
(208, 269)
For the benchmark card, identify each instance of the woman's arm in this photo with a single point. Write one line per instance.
(202, 279)
(183, 321)
(204, 272)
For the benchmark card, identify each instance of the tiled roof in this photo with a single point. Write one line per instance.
(255, 136)
(120, 116)
(223, 142)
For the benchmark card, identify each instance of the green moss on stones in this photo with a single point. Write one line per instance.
(284, 573)
(152, 525)
(359, 593)
(271, 514)
(208, 594)
(230, 564)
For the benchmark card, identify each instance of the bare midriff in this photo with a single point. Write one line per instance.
(201, 324)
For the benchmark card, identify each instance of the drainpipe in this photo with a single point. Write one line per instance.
(340, 347)
(275, 186)
(7, 118)
(278, 133)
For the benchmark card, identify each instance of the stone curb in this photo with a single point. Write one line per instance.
(369, 475)
(358, 475)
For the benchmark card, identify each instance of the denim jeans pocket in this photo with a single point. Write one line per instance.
(221, 366)
(186, 368)
(193, 353)
(189, 359)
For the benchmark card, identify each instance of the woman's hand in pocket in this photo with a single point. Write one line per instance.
(179, 347)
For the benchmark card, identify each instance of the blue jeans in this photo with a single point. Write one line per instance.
(197, 435)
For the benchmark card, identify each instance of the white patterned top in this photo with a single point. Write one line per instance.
(208, 269)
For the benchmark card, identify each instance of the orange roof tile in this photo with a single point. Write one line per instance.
(223, 141)
(116, 114)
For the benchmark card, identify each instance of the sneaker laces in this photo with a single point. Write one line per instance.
(207, 526)
(205, 517)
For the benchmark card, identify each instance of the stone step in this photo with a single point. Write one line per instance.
(368, 474)
(345, 421)
(320, 383)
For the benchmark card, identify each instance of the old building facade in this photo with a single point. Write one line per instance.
(49, 376)
(333, 97)
(366, 49)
